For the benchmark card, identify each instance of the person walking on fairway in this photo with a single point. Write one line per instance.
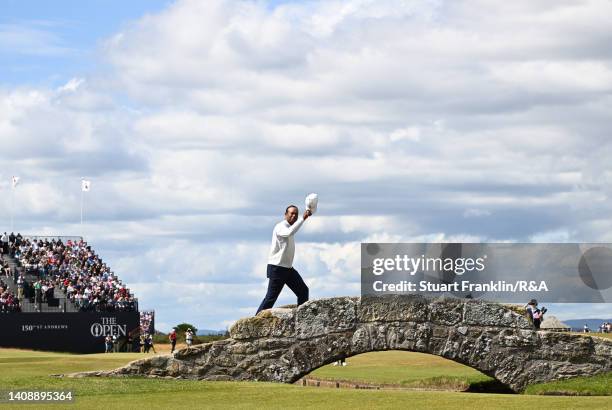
(280, 270)
(172, 337)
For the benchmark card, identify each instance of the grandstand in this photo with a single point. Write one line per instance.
(58, 286)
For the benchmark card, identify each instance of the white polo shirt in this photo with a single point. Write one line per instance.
(282, 249)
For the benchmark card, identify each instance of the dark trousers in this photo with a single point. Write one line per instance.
(278, 277)
(536, 323)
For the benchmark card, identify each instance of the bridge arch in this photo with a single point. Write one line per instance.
(285, 344)
(403, 368)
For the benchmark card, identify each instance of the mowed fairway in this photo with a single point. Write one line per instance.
(403, 369)
(27, 370)
(593, 334)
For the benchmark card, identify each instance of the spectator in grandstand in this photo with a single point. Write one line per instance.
(8, 301)
(38, 295)
(20, 286)
(5, 268)
(78, 272)
(146, 322)
(44, 288)
(5, 240)
(11, 244)
(12, 250)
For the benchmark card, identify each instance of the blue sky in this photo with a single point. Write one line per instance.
(198, 122)
(47, 42)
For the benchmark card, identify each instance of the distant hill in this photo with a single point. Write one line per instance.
(593, 324)
(208, 332)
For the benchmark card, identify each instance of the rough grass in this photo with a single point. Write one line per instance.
(21, 369)
(600, 385)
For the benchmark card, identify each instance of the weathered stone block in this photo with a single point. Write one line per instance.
(324, 316)
(277, 322)
(446, 311)
(391, 308)
(492, 314)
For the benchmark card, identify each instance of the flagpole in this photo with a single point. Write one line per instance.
(85, 184)
(81, 210)
(12, 206)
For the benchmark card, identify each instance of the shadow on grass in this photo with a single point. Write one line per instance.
(489, 386)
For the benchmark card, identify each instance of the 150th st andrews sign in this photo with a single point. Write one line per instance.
(66, 332)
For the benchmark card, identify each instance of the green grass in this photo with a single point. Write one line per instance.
(603, 335)
(31, 370)
(599, 385)
(405, 369)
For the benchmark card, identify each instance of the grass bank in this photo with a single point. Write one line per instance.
(28, 370)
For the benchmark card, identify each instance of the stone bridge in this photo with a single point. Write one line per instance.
(285, 344)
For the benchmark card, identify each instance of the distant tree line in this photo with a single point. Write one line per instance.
(160, 337)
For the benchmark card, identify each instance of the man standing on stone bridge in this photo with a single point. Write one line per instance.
(280, 262)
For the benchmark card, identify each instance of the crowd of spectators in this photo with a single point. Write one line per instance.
(135, 342)
(8, 300)
(5, 269)
(147, 320)
(9, 243)
(75, 269)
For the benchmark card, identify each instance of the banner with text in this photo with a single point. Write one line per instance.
(501, 272)
(81, 332)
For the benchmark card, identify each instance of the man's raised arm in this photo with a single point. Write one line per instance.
(292, 229)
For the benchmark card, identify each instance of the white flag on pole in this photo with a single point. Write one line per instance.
(15, 181)
(85, 185)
